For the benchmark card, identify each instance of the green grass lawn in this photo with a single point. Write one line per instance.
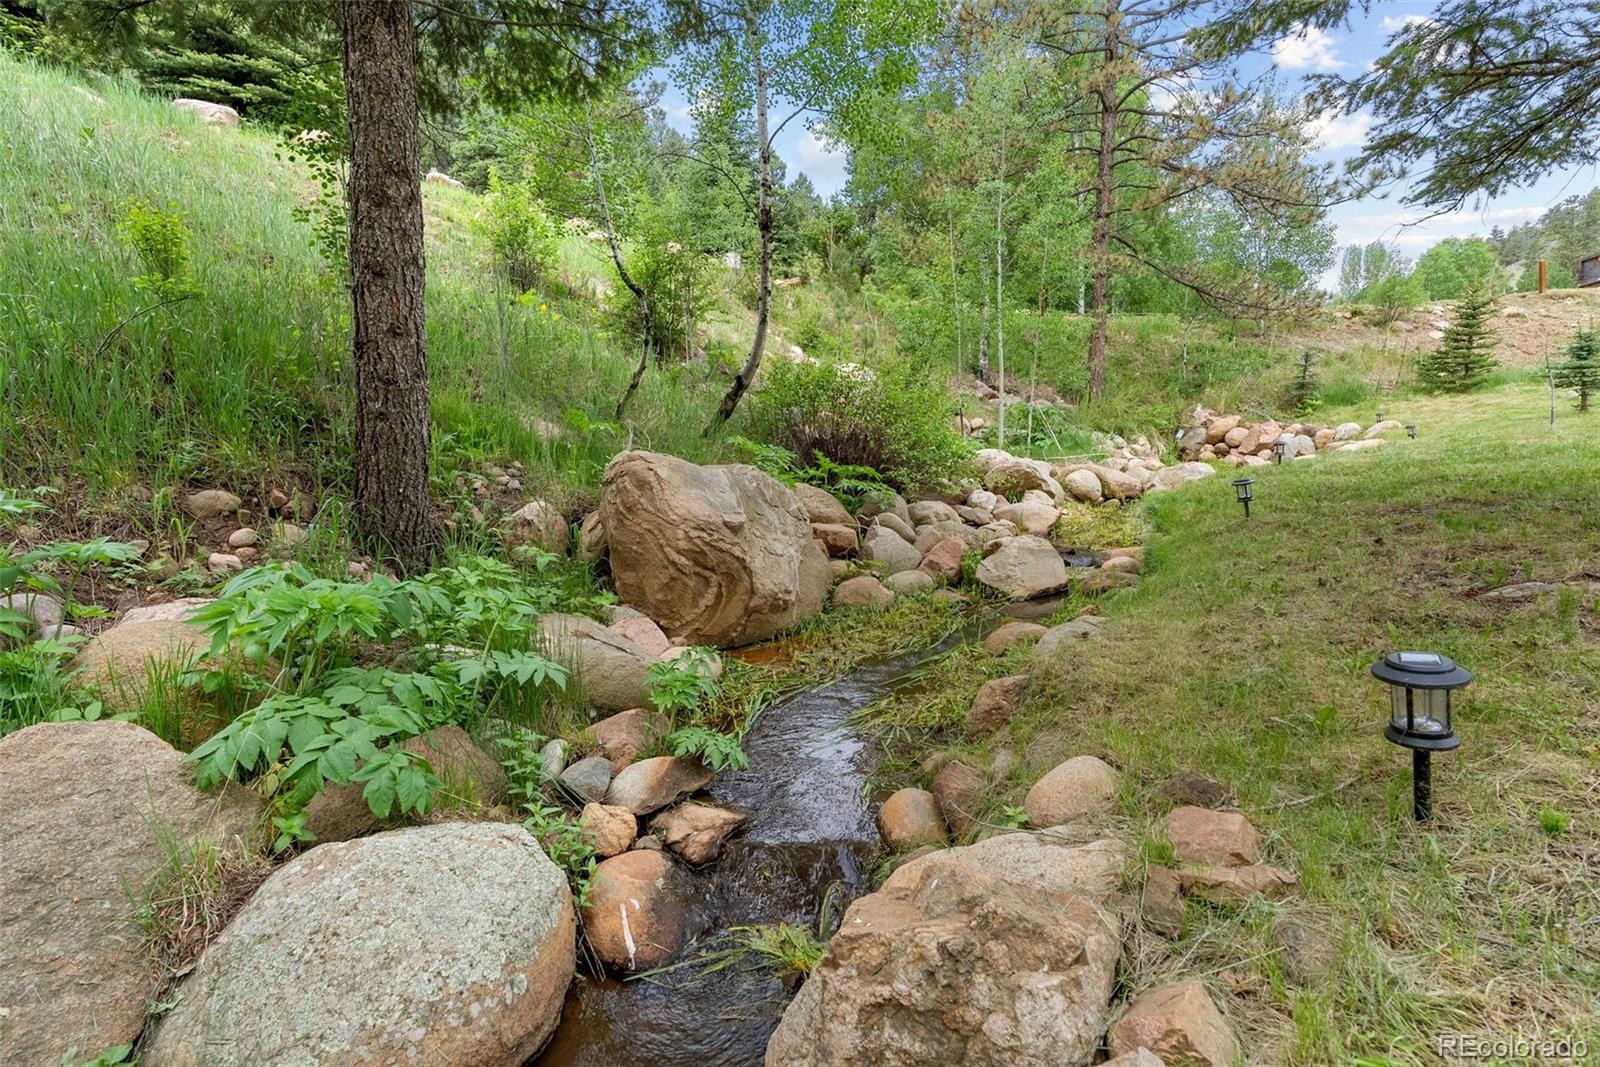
(1243, 654)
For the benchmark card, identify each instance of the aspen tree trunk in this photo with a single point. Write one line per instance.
(1104, 204)
(387, 281)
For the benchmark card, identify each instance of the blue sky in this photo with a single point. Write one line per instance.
(1342, 50)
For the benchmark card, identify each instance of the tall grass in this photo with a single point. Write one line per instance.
(250, 378)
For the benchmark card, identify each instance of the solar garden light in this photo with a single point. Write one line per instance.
(1420, 684)
(1411, 430)
(1380, 416)
(1279, 447)
(1241, 487)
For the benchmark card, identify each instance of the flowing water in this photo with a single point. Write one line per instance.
(810, 828)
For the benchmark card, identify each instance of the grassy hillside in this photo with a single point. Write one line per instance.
(1243, 655)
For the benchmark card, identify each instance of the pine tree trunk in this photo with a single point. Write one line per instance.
(752, 363)
(1104, 203)
(387, 281)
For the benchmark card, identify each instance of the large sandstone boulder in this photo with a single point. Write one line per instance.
(610, 668)
(447, 944)
(652, 784)
(90, 809)
(719, 555)
(637, 916)
(121, 662)
(1023, 567)
(999, 953)
(1180, 1023)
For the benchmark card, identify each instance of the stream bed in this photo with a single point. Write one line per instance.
(810, 830)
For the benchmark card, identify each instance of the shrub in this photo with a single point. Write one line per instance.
(522, 236)
(886, 419)
(160, 238)
(1465, 356)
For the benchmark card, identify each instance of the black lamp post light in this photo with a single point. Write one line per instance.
(1411, 430)
(1420, 684)
(1242, 489)
(1279, 447)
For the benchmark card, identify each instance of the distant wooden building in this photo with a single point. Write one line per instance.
(1589, 272)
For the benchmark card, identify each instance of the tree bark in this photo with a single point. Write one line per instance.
(387, 281)
(1104, 204)
(646, 321)
(1000, 292)
(752, 363)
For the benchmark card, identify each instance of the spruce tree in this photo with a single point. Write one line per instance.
(1465, 355)
(1302, 396)
(1581, 368)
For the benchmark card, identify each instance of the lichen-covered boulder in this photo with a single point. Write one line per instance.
(717, 555)
(447, 944)
(91, 809)
(1022, 567)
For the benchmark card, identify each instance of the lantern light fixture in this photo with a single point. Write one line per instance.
(1420, 717)
(1380, 416)
(1242, 488)
(1279, 447)
(1411, 430)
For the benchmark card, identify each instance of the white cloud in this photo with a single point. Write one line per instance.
(814, 150)
(1167, 92)
(1307, 48)
(1331, 131)
(1396, 23)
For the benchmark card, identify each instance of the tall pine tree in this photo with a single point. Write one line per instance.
(1580, 371)
(1465, 355)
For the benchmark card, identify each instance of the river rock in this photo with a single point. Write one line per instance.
(995, 703)
(41, 609)
(89, 810)
(1080, 787)
(1022, 567)
(1217, 838)
(909, 582)
(612, 670)
(837, 539)
(822, 506)
(1083, 486)
(959, 791)
(718, 555)
(652, 784)
(1009, 635)
(638, 912)
(553, 757)
(862, 591)
(1378, 429)
(592, 546)
(212, 504)
(901, 526)
(644, 633)
(1236, 885)
(168, 611)
(212, 113)
(889, 550)
(909, 819)
(1003, 952)
(696, 831)
(627, 733)
(1029, 517)
(119, 663)
(588, 779)
(926, 511)
(1347, 431)
(448, 944)
(611, 829)
(1180, 475)
(1180, 1023)
(943, 560)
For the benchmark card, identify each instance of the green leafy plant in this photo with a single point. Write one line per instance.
(521, 234)
(1553, 821)
(718, 751)
(683, 684)
(790, 950)
(160, 238)
(115, 1056)
(566, 844)
(1013, 816)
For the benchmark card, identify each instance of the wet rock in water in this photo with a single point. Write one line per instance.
(589, 779)
(862, 591)
(1236, 885)
(1056, 642)
(1190, 788)
(341, 812)
(959, 791)
(1022, 567)
(638, 915)
(1080, 787)
(909, 819)
(822, 506)
(889, 550)
(1003, 952)
(611, 829)
(652, 784)
(613, 670)
(838, 540)
(717, 555)
(995, 703)
(696, 831)
(644, 633)
(627, 733)
(87, 808)
(1009, 635)
(909, 582)
(1180, 1023)
(454, 943)
(212, 504)
(1214, 838)
(1161, 904)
